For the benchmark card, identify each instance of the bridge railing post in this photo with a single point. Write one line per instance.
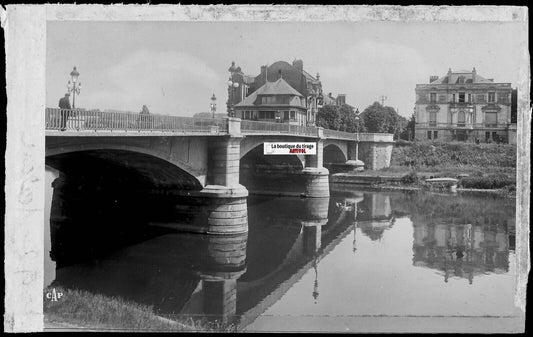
(234, 126)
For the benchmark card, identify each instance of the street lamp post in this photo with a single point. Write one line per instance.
(75, 87)
(213, 105)
(232, 86)
(357, 119)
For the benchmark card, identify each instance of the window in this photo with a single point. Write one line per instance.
(461, 118)
(433, 97)
(453, 98)
(267, 114)
(293, 114)
(432, 118)
(491, 119)
(503, 97)
(285, 115)
(268, 100)
(487, 136)
(469, 98)
(461, 79)
(492, 97)
(435, 134)
(461, 97)
(429, 134)
(461, 135)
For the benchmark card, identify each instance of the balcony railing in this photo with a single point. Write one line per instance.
(254, 127)
(463, 125)
(96, 120)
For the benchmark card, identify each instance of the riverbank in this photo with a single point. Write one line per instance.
(477, 167)
(79, 310)
(411, 180)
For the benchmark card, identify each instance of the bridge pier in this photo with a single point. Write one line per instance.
(316, 176)
(376, 155)
(226, 206)
(354, 163)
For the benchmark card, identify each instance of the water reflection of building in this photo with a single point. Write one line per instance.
(461, 250)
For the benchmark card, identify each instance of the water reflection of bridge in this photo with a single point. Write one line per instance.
(221, 277)
(237, 278)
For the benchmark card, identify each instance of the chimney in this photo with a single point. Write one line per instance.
(298, 64)
(264, 73)
(433, 78)
(341, 99)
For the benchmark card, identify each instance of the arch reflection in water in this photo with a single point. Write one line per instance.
(176, 273)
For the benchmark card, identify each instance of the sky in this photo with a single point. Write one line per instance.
(175, 67)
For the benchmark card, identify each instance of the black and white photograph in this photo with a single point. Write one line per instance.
(345, 169)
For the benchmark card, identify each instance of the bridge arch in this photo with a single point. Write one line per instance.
(335, 152)
(255, 144)
(145, 168)
(158, 154)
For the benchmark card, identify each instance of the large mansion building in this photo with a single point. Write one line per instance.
(281, 92)
(464, 106)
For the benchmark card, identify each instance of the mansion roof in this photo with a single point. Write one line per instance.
(277, 88)
(460, 77)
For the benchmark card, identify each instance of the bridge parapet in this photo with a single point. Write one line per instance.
(361, 137)
(267, 128)
(82, 120)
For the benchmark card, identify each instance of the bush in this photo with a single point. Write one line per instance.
(410, 178)
(489, 182)
(453, 154)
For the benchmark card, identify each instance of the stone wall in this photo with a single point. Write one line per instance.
(375, 155)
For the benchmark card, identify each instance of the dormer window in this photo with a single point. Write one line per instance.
(461, 80)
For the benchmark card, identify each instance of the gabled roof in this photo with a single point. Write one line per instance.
(453, 78)
(280, 87)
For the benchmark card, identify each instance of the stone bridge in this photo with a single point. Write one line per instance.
(208, 166)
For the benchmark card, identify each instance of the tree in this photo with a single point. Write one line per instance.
(409, 132)
(342, 118)
(328, 117)
(383, 119)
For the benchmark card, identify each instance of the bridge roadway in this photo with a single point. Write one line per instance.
(208, 164)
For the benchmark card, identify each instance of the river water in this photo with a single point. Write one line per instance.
(325, 262)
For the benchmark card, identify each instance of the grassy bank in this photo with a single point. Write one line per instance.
(477, 166)
(93, 311)
(457, 156)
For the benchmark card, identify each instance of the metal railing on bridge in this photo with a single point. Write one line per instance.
(254, 127)
(363, 137)
(96, 120)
